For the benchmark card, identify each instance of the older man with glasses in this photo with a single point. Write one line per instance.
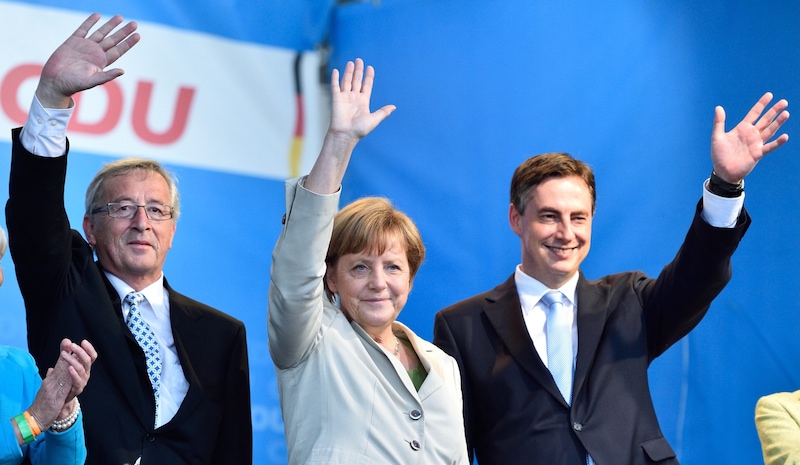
(172, 384)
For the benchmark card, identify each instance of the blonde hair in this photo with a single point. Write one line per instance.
(368, 224)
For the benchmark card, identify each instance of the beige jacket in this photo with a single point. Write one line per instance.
(345, 399)
(778, 425)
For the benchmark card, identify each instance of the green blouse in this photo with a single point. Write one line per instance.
(419, 373)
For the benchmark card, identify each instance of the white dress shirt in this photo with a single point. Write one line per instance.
(155, 312)
(534, 311)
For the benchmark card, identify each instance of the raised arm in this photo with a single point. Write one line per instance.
(351, 120)
(79, 63)
(735, 153)
(296, 295)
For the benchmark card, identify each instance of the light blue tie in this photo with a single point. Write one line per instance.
(558, 328)
(147, 341)
(559, 346)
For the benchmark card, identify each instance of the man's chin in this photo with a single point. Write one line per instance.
(138, 267)
(563, 272)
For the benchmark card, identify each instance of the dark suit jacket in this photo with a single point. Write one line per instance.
(513, 410)
(67, 295)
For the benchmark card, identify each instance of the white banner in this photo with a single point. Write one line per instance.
(186, 98)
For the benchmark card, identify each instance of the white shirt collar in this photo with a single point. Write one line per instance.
(531, 290)
(154, 293)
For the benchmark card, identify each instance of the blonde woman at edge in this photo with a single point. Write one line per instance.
(356, 386)
(778, 426)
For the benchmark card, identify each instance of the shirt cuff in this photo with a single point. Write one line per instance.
(45, 130)
(721, 212)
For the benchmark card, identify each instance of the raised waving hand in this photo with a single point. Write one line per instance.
(350, 115)
(735, 153)
(80, 62)
(351, 120)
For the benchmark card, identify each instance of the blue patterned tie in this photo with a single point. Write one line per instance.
(147, 341)
(559, 343)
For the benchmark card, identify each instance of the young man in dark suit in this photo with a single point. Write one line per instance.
(591, 404)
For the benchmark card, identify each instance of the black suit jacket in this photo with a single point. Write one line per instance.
(514, 412)
(68, 295)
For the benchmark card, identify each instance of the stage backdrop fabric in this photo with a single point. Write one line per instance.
(233, 97)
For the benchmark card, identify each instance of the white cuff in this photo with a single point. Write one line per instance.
(721, 212)
(45, 130)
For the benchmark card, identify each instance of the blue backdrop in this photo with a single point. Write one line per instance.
(627, 86)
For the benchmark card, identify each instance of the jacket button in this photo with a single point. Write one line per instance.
(150, 437)
(415, 444)
(415, 414)
(577, 426)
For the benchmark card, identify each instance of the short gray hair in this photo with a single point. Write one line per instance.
(96, 190)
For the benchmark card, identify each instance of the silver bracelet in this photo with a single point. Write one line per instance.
(65, 424)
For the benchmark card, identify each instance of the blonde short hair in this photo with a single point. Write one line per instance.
(368, 224)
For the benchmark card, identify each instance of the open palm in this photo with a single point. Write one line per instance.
(79, 63)
(735, 153)
(350, 115)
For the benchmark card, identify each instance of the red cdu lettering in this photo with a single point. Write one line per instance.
(110, 118)
(112, 114)
(141, 107)
(9, 89)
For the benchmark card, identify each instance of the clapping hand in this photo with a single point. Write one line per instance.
(64, 381)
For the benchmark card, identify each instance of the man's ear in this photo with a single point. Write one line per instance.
(514, 219)
(88, 230)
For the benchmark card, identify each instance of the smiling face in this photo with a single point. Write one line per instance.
(132, 249)
(372, 287)
(555, 229)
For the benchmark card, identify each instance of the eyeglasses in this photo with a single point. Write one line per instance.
(127, 210)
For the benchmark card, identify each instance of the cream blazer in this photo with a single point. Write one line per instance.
(778, 425)
(345, 399)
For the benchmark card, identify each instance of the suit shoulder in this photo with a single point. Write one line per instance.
(780, 398)
(467, 305)
(199, 310)
(616, 280)
(478, 301)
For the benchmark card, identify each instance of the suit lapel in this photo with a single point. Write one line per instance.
(504, 312)
(591, 324)
(190, 343)
(435, 378)
(110, 332)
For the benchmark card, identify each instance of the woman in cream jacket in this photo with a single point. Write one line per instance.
(356, 387)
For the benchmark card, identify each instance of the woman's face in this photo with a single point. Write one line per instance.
(372, 288)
